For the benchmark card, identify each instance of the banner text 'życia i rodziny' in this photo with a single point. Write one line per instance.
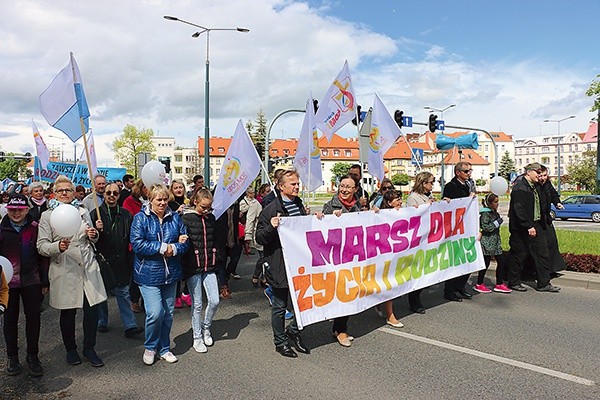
(343, 265)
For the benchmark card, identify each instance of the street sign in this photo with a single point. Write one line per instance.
(417, 157)
(407, 121)
(439, 125)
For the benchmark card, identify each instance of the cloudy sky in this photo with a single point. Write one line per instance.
(507, 65)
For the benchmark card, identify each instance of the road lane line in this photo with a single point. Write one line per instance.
(492, 357)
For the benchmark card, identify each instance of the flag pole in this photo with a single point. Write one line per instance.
(87, 151)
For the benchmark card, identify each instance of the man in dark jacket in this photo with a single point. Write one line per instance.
(460, 186)
(550, 196)
(114, 226)
(286, 204)
(527, 225)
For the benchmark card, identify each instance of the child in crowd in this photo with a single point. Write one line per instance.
(199, 267)
(490, 221)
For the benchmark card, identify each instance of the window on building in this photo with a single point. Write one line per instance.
(218, 170)
(221, 149)
(178, 157)
(502, 148)
(545, 149)
(348, 153)
(325, 152)
(336, 152)
(177, 170)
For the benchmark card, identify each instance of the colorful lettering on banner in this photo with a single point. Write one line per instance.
(77, 173)
(344, 265)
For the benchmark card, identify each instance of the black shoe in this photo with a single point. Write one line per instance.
(35, 366)
(103, 329)
(464, 294)
(131, 332)
(418, 310)
(452, 297)
(296, 342)
(13, 366)
(519, 287)
(286, 351)
(548, 288)
(93, 358)
(73, 357)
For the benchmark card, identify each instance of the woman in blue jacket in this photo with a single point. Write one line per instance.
(158, 239)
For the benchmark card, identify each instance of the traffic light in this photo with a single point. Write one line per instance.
(432, 122)
(398, 115)
(316, 105)
(2, 156)
(27, 157)
(358, 113)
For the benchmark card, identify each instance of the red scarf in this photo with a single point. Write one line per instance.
(348, 204)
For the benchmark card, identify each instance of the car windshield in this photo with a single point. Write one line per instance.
(571, 200)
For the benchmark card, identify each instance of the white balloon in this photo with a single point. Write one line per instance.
(65, 220)
(498, 185)
(153, 172)
(7, 268)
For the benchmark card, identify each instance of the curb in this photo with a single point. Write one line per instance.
(566, 278)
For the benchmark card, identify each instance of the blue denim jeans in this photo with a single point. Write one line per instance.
(195, 283)
(127, 316)
(159, 302)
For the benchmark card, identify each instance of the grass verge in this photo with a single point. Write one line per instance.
(576, 242)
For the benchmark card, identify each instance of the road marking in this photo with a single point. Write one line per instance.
(492, 357)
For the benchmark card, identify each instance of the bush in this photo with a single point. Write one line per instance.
(582, 262)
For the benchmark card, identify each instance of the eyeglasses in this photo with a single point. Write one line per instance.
(347, 187)
(64, 191)
(386, 187)
(110, 193)
(467, 171)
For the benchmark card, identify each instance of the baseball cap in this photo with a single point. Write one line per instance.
(533, 166)
(17, 201)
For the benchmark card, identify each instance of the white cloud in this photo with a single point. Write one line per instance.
(141, 69)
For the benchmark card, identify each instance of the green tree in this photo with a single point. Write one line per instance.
(594, 91)
(400, 179)
(14, 168)
(339, 169)
(507, 165)
(583, 170)
(130, 144)
(258, 132)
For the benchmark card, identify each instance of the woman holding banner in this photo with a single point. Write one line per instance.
(345, 201)
(421, 194)
(286, 203)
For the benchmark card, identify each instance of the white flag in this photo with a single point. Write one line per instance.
(338, 106)
(307, 160)
(92, 151)
(41, 149)
(63, 103)
(384, 132)
(241, 166)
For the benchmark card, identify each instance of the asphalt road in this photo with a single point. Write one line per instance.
(522, 345)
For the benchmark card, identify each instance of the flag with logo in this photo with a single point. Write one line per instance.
(307, 160)
(384, 132)
(338, 106)
(241, 166)
(63, 103)
(41, 149)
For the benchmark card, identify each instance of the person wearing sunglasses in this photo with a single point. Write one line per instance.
(114, 225)
(377, 197)
(460, 186)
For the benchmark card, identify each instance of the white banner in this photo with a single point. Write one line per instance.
(343, 265)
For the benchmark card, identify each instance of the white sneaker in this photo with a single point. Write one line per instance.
(169, 357)
(199, 346)
(149, 357)
(208, 340)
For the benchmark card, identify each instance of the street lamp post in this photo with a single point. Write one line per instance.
(558, 121)
(265, 177)
(441, 111)
(206, 87)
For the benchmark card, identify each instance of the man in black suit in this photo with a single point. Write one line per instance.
(460, 186)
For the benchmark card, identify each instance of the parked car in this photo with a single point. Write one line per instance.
(585, 206)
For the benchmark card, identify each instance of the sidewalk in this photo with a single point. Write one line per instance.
(566, 278)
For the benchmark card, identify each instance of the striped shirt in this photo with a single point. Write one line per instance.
(292, 209)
